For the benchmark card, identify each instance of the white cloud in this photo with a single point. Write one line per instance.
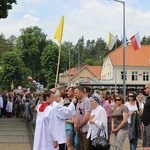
(92, 19)
(35, 1)
(29, 20)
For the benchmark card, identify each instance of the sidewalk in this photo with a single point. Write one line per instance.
(126, 144)
(13, 134)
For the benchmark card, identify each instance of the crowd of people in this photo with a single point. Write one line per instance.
(70, 118)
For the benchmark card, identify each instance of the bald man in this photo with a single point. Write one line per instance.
(146, 119)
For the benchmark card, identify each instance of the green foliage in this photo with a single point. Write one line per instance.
(30, 46)
(97, 62)
(33, 88)
(49, 59)
(66, 47)
(117, 44)
(32, 55)
(145, 40)
(80, 49)
(88, 61)
(5, 6)
(13, 70)
(5, 44)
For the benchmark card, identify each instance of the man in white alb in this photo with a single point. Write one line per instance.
(46, 131)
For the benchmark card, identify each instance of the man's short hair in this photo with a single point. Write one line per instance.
(80, 88)
(72, 88)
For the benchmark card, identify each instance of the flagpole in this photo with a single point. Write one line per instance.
(116, 70)
(58, 37)
(58, 66)
(69, 65)
(124, 50)
(124, 54)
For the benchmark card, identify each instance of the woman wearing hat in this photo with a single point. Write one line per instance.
(98, 118)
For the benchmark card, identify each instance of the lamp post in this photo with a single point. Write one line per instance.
(69, 66)
(124, 49)
(78, 66)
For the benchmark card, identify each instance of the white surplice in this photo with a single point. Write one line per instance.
(63, 113)
(9, 106)
(46, 131)
(1, 101)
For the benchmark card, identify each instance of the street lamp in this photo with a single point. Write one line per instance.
(69, 66)
(124, 49)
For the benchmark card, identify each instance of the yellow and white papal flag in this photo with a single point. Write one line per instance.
(112, 40)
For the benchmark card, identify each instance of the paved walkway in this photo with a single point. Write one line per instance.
(126, 144)
(14, 134)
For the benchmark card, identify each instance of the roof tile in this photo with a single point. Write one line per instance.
(140, 57)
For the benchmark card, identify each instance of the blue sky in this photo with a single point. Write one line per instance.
(89, 18)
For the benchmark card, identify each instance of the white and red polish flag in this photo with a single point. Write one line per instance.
(135, 40)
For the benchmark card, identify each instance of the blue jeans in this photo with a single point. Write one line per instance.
(133, 144)
(76, 143)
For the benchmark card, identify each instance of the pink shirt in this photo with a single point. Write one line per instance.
(108, 109)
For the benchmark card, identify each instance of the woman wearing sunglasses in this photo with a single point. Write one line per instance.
(133, 120)
(119, 122)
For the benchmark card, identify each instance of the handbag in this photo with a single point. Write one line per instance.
(100, 142)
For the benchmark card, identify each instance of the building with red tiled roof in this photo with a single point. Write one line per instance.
(134, 58)
(110, 74)
(137, 66)
(86, 73)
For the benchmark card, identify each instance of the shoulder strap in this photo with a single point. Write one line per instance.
(137, 104)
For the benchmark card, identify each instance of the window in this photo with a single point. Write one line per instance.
(122, 75)
(145, 76)
(134, 75)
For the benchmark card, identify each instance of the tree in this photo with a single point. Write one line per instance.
(95, 51)
(5, 6)
(30, 45)
(89, 61)
(145, 40)
(12, 42)
(80, 49)
(90, 46)
(49, 61)
(13, 70)
(5, 45)
(66, 47)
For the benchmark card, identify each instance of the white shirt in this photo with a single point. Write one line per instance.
(100, 122)
(131, 109)
(63, 113)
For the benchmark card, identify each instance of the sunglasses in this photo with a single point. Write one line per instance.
(130, 96)
(118, 99)
(80, 111)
